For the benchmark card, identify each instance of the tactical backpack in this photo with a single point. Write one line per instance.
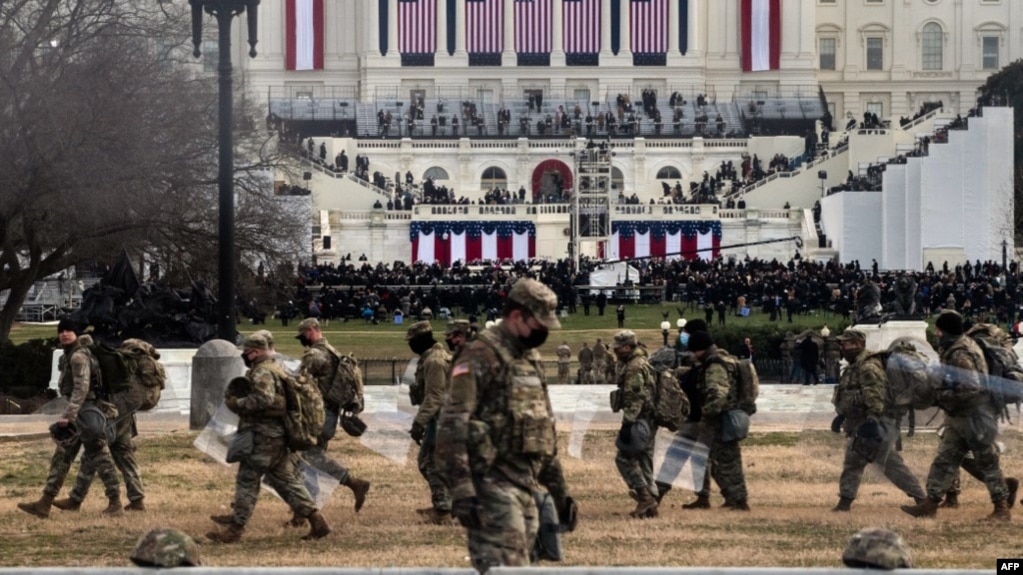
(670, 405)
(1004, 374)
(748, 385)
(345, 390)
(910, 384)
(116, 366)
(304, 413)
(149, 378)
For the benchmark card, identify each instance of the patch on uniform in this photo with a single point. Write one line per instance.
(460, 369)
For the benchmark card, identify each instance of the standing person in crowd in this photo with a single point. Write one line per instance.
(601, 302)
(870, 422)
(81, 383)
(809, 357)
(585, 364)
(635, 441)
(491, 465)
(564, 353)
(620, 315)
(428, 392)
(971, 421)
(717, 384)
(601, 362)
(262, 412)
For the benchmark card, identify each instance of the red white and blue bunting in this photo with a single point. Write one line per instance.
(692, 239)
(447, 242)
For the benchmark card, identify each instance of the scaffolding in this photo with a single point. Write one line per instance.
(591, 200)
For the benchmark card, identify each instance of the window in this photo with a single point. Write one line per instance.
(494, 178)
(825, 1)
(931, 46)
(827, 48)
(875, 1)
(210, 55)
(435, 174)
(876, 108)
(669, 173)
(991, 52)
(875, 53)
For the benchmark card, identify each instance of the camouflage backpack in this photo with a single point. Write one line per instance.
(345, 391)
(305, 414)
(747, 384)
(1004, 374)
(909, 381)
(148, 378)
(670, 404)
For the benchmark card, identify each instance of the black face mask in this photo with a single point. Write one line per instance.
(245, 359)
(535, 339)
(850, 355)
(421, 343)
(302, 339)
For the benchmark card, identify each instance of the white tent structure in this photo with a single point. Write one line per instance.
(613, 274)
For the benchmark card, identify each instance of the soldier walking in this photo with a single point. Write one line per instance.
(585, 364)
(564, 362)
(635, 442)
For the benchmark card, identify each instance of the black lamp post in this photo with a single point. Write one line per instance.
(224, 11)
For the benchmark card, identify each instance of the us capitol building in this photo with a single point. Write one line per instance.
(694, 89)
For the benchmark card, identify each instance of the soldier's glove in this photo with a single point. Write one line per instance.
(232, 403)
(417, 432)
(568, 514)
(625, 432)
(836, 424)
(353, 407)
(468, 512)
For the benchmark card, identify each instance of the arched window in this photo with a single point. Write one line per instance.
(435, 174)
(931, 42)
(494, 178)
(617, 182)
(669, 173)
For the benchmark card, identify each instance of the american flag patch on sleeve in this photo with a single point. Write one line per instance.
(460, 369)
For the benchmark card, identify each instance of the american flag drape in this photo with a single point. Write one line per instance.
(417, 26)
(533, 26)
(581, 26)
(448, 242)
(304, 34)
(484, 26)
(761, 35)
(689, 240)
(648, 26)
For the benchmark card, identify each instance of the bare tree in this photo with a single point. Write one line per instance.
(106, 142)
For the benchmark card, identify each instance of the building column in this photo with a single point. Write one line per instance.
(460, 52)
(392, 30)
(625, 36)
(370, 18)
(605, 32)
(697, 8)
(508, 55)
(557, 33)
(442, 32)
(674, 56)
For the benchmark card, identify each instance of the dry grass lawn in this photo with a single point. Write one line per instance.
(792, 479)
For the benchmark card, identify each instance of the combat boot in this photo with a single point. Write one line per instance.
(438, 517)
(740, 506)
(232, 534)
(927, 508)
(662, 490)
(844, 504)
(295, 521)
(222, 519)
(951, 500)
(320, 529)
(701, 502)
(137, 505)
(645, 503)
(67, 504)
(359, 487)
(1013, 484)
(1001, 512)
(40, 509)
(114, 508)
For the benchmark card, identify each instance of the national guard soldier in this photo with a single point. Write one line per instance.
(634, 398)
(262, 411)
(971, 421)
(456, 334)
(870, 422)
(81, 382)
(321, 361)
(428, 391)
(496, 440)
(585, 364)
(717, 384)
(601, 361)
(564, 362)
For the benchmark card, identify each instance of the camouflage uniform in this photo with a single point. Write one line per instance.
(262, 411)
(636, 385)
(123, 452)
(496, 439)
(564, 362)
(861, 394)
(80, 380)
(320, 361)
(432, 380)
(585, 365)
(601, 361)
(716, 382)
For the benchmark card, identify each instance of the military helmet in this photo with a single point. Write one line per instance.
(239, 387)
(66, 436)
(352, 424)
(877, 548)
(166, 547)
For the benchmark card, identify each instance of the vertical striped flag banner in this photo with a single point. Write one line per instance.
(761, 35)
(581, 26)
(304, 34)
(533, 26)
(484, 26)
(648, 31)
(447, 242)
(682, 240)
(417, 26)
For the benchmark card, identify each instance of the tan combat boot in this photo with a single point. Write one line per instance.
(320, 529)
(359, 487)
(40, 509)
(232, 534)
(1001, 512)
(646, 505)
(926, 508)
(222, 519)
(67, 504)
(114, 508)
(701, 502)
(295, 521)
(438, 517)
(137, 505)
